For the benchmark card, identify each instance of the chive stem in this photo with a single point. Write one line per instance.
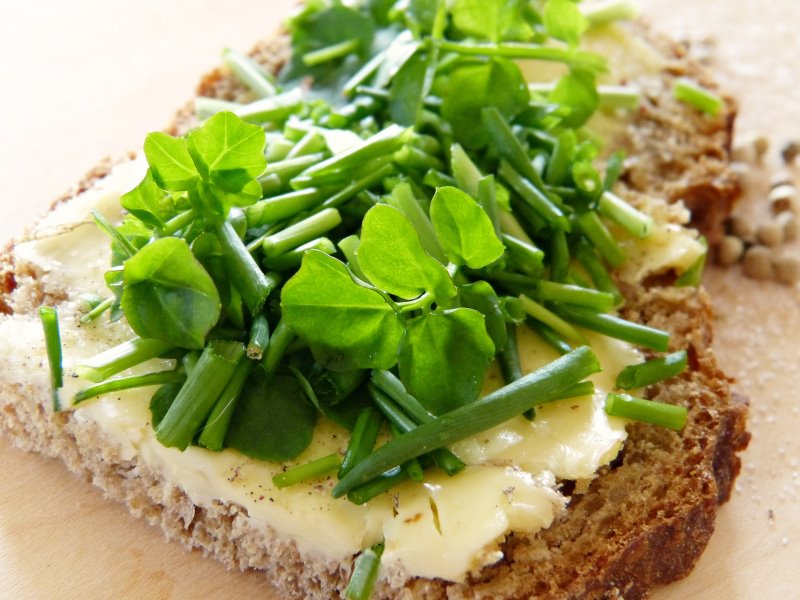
(301, 232)
(282, 207)
(127, 383)
(123, 356)
(616, 327)
(280, 340)
(213, 434)
(535, 197)
(362, 438)
(365, 571)
(552, 320)
(652, 371)
(616, 209)
(573, 294)
(579, 58)
(310, 470)
(259, 337)
(249, 73)
(358, 186)
(244, 272)
(199, 393)
(124, 244)
(329, 53)
(646, 411)
(205, 107)
(52, 342)
(697, 96)
(540, 386)
(98, 310)
(599, 235)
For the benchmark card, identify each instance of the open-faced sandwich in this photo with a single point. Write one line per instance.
(406, 304)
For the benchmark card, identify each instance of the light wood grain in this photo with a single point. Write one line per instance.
(84, 81)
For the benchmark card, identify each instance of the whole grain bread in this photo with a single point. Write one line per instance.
(642, 522)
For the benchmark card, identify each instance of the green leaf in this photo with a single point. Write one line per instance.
(443, 358)
(473, 86)
(162, 400)
(228, 152)
(464, 229)
(168, 295)
(409, 87)
(392, 257)
(564, 21)
(271, 421)
(170, 162)
(481, 297)
(577, 91)
(147, 202)
(324, 306)
(496, 20)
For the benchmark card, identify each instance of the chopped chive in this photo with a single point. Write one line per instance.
(527, 257)
(616, 327)
(697, 96)
(243, 270)
(98, 310)
(412, 157)
(199, 394)
(412, 467)
(596, 270)
(205, 107)
(594, 229)
(127, 383)
(693, 276)
(540, 386)
(575, 58)
(189, 360)
(487, 198)
(509, 145)
(289, 167)
(611, 96)
(652, 371)
(510, 225)
(213, 434)
(561, 159)
(559, 256)
(358, 186)
(329, 53)
(52, 342)
(259, 337)
(386, 141)
(310, 470)
(362, 438)
(386, 390)
(646, 411)
(274, 108)
(367, 70)
(573, 294)
(292, 259)
(552, 320)
(301, 232)
(549, 335)
(436, 179)
(365, 571)
(178, 222)
(311, 142)
(510, 366)
(249, 73)
(608, 11)
(614, 166)
(616, 209)
(280, 340)
(282, 207)
(123, 356)
(378, 485)
(123, 243)
(535, 198)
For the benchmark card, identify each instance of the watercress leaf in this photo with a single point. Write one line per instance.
(147, 202)
(464, 229)
(474, 85)
(496, 20)
(564, 21)
(170, 162)
(168, 295)
(397, 53)
(324, 306)
(421, 15)
(271, 420)
(481, 297)
(392, 257)
(576, 91)
(228, 152)
(409, 87)
(443, 358)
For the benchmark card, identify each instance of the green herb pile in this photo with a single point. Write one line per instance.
(361, 241)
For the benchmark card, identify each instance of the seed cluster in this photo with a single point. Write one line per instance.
(761, 245)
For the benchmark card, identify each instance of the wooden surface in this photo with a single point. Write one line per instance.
(82, 83)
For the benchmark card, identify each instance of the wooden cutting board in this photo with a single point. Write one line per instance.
(83, 83)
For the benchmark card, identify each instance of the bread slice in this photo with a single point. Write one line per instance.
(643, 522)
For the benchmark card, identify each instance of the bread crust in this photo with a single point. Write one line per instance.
(643, 522)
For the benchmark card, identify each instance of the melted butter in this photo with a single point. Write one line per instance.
(668, 247)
